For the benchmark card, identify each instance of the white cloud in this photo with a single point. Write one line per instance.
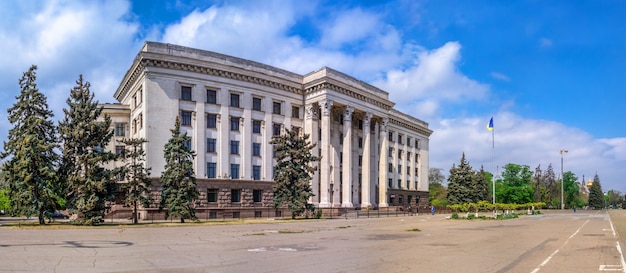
(529, 142)
(500, 76)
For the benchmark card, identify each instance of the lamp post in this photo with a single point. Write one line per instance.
(562, 179)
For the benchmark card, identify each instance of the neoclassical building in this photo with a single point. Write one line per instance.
(371, 154)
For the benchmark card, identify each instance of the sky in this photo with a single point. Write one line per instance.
(550, 73)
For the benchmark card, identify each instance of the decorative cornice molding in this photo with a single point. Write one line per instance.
(146, 62)
(333, 87)
(419, 129)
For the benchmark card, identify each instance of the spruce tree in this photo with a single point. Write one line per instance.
(84, 134)
(293, 171)
(460, 183)
(480, 186)
(137, 176)
(596, 197)
(178, 179)
(30, 172)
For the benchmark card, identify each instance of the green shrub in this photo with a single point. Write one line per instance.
(470, 216)
(455, 216)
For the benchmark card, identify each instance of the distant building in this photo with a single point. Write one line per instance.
(372, 155)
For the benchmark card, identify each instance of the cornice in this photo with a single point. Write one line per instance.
(420, 129)
(351, 93)
(148, 62)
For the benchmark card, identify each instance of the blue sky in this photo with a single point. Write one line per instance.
(550, 72)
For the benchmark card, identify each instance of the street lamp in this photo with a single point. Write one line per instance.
(562, 178)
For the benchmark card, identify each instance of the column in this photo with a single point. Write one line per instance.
(199, 139)
(374, 169)
(382, 166)
(366, 166)
(326, 106)
(223, 125)
(310, 128)
(422, 164)
(347, 158)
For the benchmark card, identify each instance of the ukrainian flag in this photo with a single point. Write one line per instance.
(490, 125)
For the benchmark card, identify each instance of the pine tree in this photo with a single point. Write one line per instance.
(480, 186)
(89, 185)
(596, 197)
(30, 172)
(293, 172)
(460, 183)
(137, 176)
(178, 179)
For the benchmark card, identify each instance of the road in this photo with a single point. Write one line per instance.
(585, 241)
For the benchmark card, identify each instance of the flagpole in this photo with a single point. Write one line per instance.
(493, 160)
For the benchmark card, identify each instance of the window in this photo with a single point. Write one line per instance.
(234, 147)
(360, 160)
(390, 137)
(417, 172)
(258, 214)
(341, 139)
(234, 100)
(399, 183)
(210, 145)
(390, 152)
(140, 120)
(408, 141)
(119, 150)
(360, 142)
(276, 107)
(211, 169)
(120, 129)
(187, 144)
(185, 92)
(257, 196)
(211, 195)
(185, 118)
(256, 126)
(276, 129)
(295, 112)
(361, 124)
(399, 154)
(407, 184)
(134, 126)
(256, 104)
(408, 170)
(340, 157)
(256, 149)
(390, 167)
(399, 168)
(399, 139)
(417, 143)
(234, 123)
(235, 195)
(256, 173)
(211, 121)
(296, 130)
(390, 182)
(211, 96)
(234, 171)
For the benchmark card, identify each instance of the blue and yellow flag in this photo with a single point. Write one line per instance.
(490, 125)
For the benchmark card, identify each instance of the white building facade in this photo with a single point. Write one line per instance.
(371, 154)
